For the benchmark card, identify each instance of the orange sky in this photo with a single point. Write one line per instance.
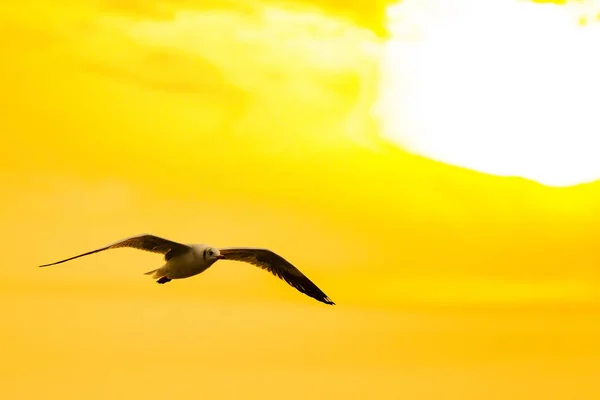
(255, 128)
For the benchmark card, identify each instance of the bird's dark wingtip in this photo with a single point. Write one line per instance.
(327, 300)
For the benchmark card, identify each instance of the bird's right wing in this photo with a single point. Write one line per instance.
(278, 266)
(144, 242)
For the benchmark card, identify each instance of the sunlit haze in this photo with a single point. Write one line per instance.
(501, 86)
(365, 142)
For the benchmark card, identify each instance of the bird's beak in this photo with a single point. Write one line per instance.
(220, 257)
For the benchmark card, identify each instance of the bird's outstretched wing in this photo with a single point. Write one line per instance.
(279, 267)
(145, 242)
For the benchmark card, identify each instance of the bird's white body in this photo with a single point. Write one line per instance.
(190, 263)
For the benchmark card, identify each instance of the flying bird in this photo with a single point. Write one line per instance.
(184, 261)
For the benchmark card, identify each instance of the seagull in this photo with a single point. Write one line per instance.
(184, 261)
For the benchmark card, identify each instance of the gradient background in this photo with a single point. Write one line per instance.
(250, 123)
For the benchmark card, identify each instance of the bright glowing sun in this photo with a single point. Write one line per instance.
(505, 87)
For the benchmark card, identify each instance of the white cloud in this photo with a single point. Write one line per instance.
(505, 87)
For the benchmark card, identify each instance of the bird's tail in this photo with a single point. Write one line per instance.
(156, 273)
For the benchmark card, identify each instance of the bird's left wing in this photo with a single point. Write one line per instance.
(144, 242)
(278, 266)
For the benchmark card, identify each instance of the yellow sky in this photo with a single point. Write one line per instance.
(251, 124)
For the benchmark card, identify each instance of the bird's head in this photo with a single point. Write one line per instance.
(212, 254)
